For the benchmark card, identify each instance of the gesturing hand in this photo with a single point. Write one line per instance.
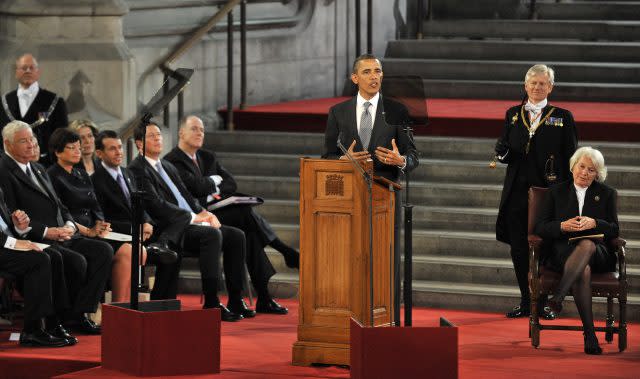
(20, 219)
(390, 157)
(356, 155)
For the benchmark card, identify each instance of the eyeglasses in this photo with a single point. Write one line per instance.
(28, 68)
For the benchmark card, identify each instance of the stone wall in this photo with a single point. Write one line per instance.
(109, 50)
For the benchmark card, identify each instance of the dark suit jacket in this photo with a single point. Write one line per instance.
(6, 216)
(57, 119)
(21, 193)
(159, 201)
(557, 137)
(197, 178)
(117, 209)
(390, 116)
(561, 203)
(75, 191)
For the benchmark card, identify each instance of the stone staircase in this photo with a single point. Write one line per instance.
(469, 52)
(457, 261)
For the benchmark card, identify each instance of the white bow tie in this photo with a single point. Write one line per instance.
(533, 108)
(25, 92)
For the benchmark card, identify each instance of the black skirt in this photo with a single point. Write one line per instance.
(602, 259)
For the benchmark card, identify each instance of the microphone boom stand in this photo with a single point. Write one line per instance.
(369, 179)
(408, 244)
(137, 199)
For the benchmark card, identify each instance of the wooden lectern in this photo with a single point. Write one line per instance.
(334, 251)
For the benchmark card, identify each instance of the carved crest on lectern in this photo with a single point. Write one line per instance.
(334, 185)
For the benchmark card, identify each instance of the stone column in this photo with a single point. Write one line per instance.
(81, 52)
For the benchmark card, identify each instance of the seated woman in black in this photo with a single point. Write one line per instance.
(584, 206)
(76, 192)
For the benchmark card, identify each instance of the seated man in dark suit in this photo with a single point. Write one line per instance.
(206, 178)
(26, 186)
(113, 186)
(187, 227)
(26, 261)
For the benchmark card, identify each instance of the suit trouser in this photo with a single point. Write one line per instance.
(35, 269)
(257, 236)
(87, 266)
(206, 243)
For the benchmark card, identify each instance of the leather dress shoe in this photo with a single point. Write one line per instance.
(591, 345)
(240, 307)
(60, 332)
(518, 311)
(158, 252)
(40, 338)
(226, 314)
(270, 307)
(86, 326)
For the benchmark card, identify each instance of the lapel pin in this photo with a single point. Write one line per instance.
(597, 198)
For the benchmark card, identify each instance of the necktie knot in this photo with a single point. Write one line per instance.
(366, 106)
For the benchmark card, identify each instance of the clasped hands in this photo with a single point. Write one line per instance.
(577, 224)
(389, 157)
(61, 233)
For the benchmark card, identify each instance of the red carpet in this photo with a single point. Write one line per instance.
(490, 347)
(449, 117)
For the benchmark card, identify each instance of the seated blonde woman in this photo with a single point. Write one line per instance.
(87, 131)
(582, 206)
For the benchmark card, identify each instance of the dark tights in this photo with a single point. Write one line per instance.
(577, 277)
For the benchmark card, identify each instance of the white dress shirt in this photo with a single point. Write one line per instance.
(372, 108)
(26, 97)
(535, 113)
(580, 194)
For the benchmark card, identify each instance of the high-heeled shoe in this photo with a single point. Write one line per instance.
(555, 305)
(591, 345)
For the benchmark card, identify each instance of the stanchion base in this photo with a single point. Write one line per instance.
(415, 352)
(159, 339)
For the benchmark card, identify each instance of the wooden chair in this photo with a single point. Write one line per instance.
(542, 282)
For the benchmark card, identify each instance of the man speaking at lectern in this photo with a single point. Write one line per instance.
(371, 126)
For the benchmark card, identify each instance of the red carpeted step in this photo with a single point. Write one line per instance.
(449, 117)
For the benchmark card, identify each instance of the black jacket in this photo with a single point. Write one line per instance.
(117, 209)
(197, 179)
(159, 201)
(390, 116)
(75, 190)
(42, 102)
(21, 193)
(557, 137)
